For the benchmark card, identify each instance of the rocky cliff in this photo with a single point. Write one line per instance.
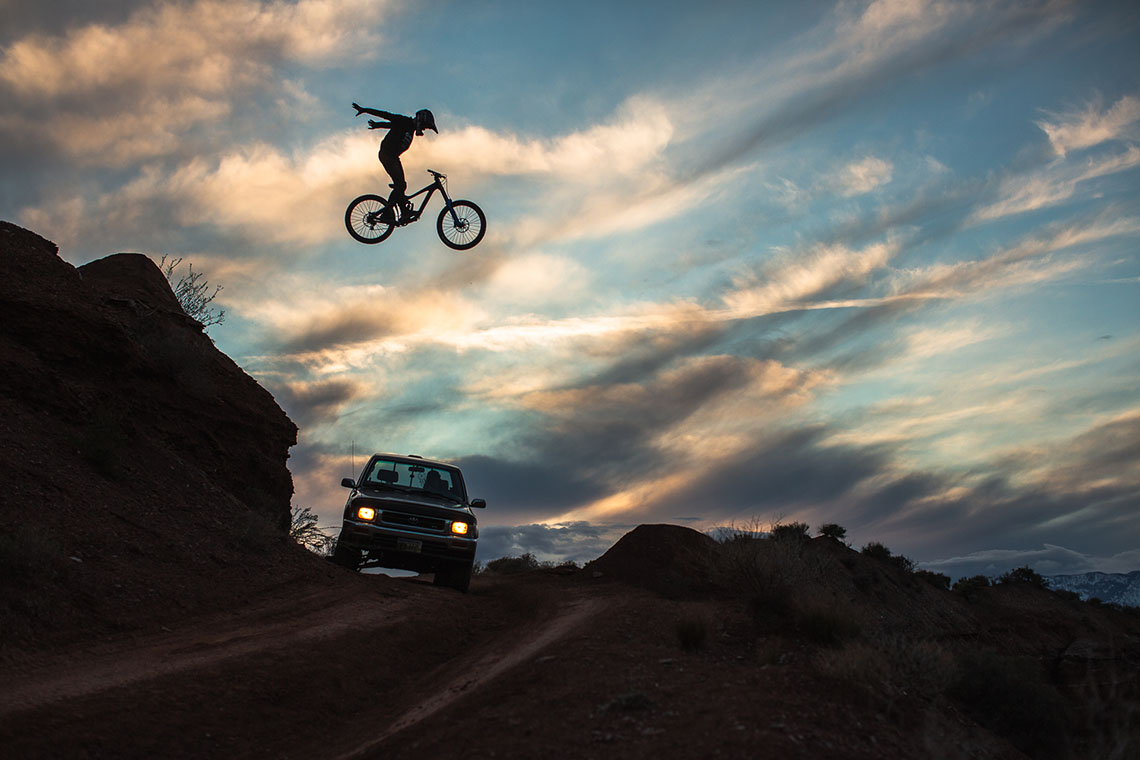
(133, 453)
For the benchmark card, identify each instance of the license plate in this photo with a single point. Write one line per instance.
(408, 545)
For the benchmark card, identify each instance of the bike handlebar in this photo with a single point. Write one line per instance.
(436, 174)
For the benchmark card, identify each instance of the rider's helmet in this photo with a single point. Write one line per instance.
(425, 120)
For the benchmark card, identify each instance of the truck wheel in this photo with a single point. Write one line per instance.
(461, 578)
(346, 556)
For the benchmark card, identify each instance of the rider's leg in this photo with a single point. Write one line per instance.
(397, 201)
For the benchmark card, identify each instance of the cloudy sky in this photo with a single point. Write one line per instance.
(872, 263)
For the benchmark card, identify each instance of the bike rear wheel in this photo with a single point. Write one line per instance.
(463, 230)
(363, 219)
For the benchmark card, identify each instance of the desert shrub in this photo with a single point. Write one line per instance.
(193, 293)
(875, 550)
(915, 668)
(304, 530)
(793, 531)
(834, 531)
(727, 534)
(692, 631)
(1109, 716)
(919, 667)
(970, 586)
(513, 565)
(1023, 574)
(772, 576)
(855, 663)
(1009, 696)
(904, 563)
(938, 580)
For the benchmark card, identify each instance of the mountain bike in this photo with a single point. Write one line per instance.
(461, 224)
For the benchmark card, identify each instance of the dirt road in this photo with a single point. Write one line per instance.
(306, 673)
(541, 665)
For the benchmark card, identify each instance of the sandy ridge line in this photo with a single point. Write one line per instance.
(181, 652)
(484, 671)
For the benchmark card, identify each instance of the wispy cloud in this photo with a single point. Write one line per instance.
(863, 176)
(803, 277)
(1089, 126)
(632, 139)
(866, 50)
(309, 403)
(1053, 185)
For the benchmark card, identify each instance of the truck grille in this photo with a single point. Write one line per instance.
(414, 521)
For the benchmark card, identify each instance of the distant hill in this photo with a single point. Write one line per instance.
(1112, 588)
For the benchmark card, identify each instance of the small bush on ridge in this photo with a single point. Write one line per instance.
(969, 586)
(833, 531)
(513, 565)
(1023, 574)
(793, 531)
(876, 550)
(938, 580)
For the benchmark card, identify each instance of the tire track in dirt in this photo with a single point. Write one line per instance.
(202, 645)
(484, 671)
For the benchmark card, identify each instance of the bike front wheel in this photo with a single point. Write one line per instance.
(462, 226)
(363, 219)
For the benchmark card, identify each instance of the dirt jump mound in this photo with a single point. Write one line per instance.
(670, 559)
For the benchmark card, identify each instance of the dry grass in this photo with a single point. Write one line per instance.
(772, 574)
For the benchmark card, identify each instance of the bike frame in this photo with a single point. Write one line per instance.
(437, 184)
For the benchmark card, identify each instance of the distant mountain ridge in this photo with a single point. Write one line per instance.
(1114, 588)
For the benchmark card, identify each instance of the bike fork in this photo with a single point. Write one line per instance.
(450, 208)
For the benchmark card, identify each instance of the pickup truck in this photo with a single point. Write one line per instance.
(410, 513)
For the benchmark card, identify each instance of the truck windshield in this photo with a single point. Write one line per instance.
(443, 482)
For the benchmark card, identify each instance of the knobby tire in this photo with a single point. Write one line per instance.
(356, 219)
(472, 225)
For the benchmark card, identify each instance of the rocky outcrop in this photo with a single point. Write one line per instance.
(142, 472)
(203, 406)
(108, 344)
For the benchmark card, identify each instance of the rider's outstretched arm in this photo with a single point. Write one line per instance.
(373, 112)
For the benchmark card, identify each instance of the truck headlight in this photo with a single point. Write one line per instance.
(459, 528)
(366, 513)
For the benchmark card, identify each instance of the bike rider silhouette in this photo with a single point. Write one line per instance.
(399, 139)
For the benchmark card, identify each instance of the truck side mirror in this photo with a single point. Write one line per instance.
(348, 483)
(478, 503)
